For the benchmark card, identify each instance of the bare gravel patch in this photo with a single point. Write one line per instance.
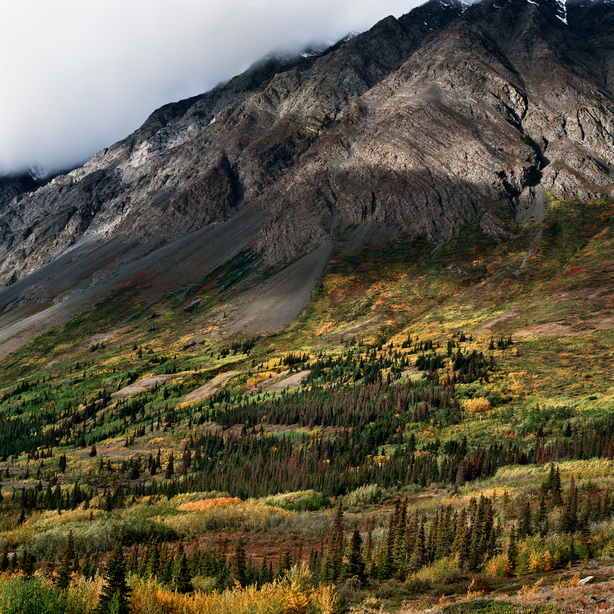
(204, 392)
(145, 384)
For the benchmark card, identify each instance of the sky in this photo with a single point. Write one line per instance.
(78, 75)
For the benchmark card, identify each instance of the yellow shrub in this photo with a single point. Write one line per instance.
(259, 378)
(476, 406)
(195, 506)
(294, 594)
(497, 567)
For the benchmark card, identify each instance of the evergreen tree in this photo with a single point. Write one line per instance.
(462, 539)
(182, 580)
(266, 572)
(512, 552)
(27, 563)
(4, 562)
(154, 559)
(335, 548)
(418, 557)
(239, 563)
(170, 468)
(115, 592)
(526, 524)
(68, 559)
(569, 518)
(356, 562)
(555, 487)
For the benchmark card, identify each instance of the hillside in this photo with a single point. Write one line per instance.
(377, 372)
(419, 126)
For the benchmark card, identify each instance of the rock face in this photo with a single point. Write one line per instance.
(418, 125)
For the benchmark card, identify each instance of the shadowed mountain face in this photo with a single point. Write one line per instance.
(418, 125)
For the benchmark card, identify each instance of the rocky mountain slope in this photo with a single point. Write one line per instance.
(419, 125)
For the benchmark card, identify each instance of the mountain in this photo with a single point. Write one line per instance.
(345, 323)
(420, 125)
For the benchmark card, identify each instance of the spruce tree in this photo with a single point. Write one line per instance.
(526, 523)
(555, 487)
(115, 592)
(569, 518)
(170, 468)
(418, 557)
(182, 578)
(68, 558)
(4, 562)
(356, 561)
(27, 563)
(239, 563)
(512, 552)
(335, 548)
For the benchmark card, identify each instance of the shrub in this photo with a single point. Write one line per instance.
(101, 534)
(369, 493)
(490, 606)
(445, 571)
(238, 517)
(496, 567)
(19, 595)
(300, 501)
(294, 593)
(475, 406)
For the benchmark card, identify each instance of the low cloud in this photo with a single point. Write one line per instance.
(78, 76)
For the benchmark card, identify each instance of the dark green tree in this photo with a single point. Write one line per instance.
(115, 593)
(170, 467)
(526, 522)
(239, 562)
(27, 563)
(512, 552)
(356, 561)
(335, 548)
(418, 557)
(68, 560)
(182, 578)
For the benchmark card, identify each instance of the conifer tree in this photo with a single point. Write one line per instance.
(27, 563)
(115, 593)
(569, 518)
(154, 559)
(66, 566)
(285, 561)
(462, 539)
(387, 565)
(555, 487)
(4, 562)
(265, 576)
(170, 468)
(356, 562)
(526, 524)
(433, 536)
(239, 562)
(182, 579)
(418, 557)
(512, 552)
(335, 548)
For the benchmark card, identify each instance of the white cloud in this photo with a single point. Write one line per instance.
(78, 76)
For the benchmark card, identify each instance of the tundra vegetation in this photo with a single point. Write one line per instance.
(444, 441)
